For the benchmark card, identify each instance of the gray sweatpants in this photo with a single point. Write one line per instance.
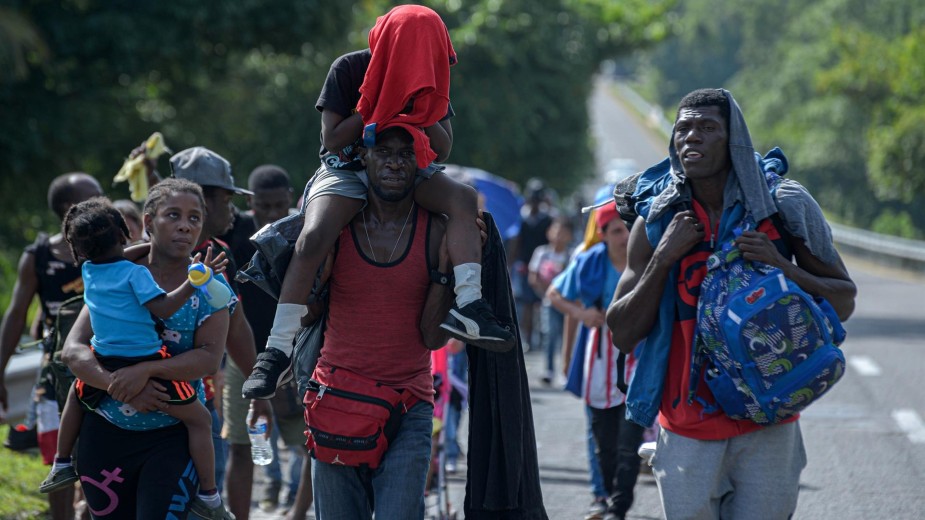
(753, 476)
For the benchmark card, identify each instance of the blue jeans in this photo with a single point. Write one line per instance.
(220, 447)
(594, 466)
(394, 490)
(459, 368)
(274, 470)
(552, 324)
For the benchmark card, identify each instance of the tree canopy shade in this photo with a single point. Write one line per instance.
(238, 77)
(524, 77)
(84, 81)
(836, 83)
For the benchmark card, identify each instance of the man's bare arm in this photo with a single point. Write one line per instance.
(240, 344)
(829, 281)
(634, 309)
(14, 319)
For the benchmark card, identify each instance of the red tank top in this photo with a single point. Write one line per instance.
(374, 313)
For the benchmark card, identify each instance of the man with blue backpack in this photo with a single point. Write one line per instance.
(718, 229)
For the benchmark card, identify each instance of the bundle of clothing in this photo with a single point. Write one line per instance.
(407, 83)
(503, 480)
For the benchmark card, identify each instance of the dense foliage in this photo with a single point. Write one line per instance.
(82, 82)
(238, 77)
(836, 83)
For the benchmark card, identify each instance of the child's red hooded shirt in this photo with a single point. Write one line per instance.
(411, 58)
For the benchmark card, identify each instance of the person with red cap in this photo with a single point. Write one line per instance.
(583, 291)
(403, 80)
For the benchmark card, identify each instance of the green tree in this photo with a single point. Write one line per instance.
(241, 77)
(237, 77)
(525, 73)
(835, 83)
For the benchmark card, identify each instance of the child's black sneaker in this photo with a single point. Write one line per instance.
(475, 324)
(58, 479)
(270, 371)
(202, 510)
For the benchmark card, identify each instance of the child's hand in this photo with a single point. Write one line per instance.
(217, 264)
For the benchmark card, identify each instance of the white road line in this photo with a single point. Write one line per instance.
(910, 423)
(864, 365)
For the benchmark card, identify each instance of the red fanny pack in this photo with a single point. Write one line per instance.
(351, 419)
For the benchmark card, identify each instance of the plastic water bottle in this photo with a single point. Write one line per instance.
(260, 444)
(216, 294)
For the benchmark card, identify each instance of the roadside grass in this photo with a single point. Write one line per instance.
(20, 475)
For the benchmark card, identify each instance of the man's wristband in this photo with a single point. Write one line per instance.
(441, 278)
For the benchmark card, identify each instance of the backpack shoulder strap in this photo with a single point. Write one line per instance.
(64, 321)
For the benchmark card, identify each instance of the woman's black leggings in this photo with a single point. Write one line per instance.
(145, 475)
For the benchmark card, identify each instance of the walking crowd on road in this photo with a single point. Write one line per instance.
(396, 319)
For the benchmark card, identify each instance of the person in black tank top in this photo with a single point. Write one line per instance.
(47, 269)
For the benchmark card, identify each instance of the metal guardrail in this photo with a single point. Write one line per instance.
(21, 374)
(883, 249)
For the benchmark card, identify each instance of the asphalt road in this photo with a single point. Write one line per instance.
(865, 439)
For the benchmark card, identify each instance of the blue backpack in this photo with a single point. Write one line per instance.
(769, 349)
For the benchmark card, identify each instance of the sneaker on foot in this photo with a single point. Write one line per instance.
(202, 510)
(270, 371)
(475, 324)
(548, 379)
(58, 479)
(597, 510)
(647, 452)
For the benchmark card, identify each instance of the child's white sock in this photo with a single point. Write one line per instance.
(210, 497)
(468, 283)
(286, 324)
(60, 463)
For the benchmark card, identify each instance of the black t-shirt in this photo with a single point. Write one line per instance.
(259, 307)
(58, 279)
(238, 237)
(532, 235)
(341, 91)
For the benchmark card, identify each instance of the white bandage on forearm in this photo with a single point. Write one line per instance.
(286, 324)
